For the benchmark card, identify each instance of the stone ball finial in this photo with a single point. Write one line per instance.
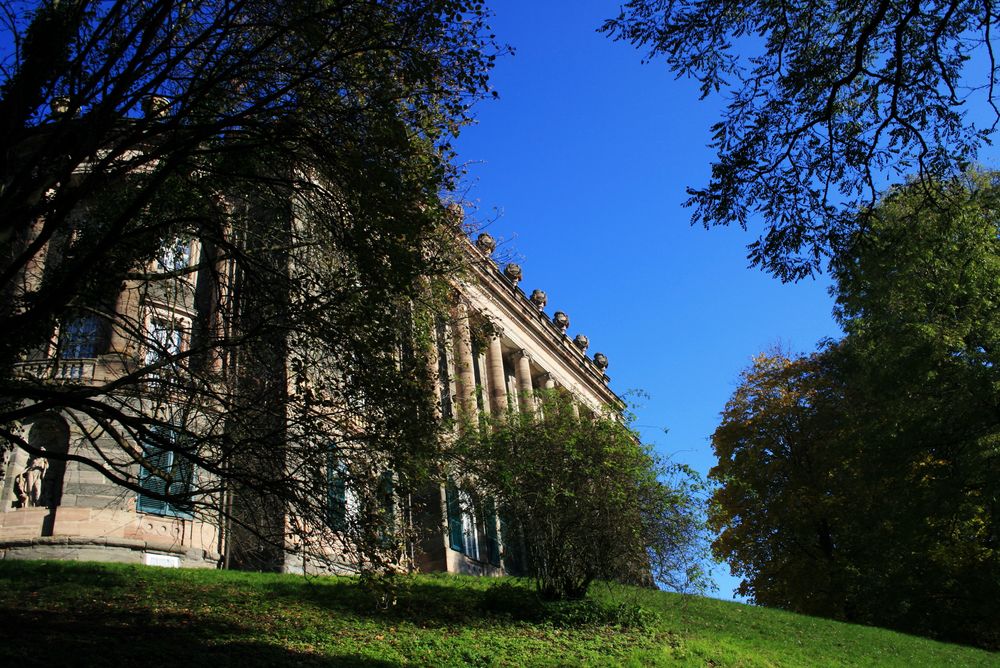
(60, 105)
(513, 272)
(486, 243)
(155, 106)
(539, 299)
(582, 342)
(601, 361)
(561, 321)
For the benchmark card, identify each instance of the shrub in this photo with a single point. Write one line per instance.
(583, 499)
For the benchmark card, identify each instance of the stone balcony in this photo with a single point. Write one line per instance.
(68, 371)
(80, 371)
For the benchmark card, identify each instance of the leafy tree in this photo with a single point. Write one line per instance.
(861, 482)
(826, 102)
(919, 298)
(586, 500)
(304, 150)
(927, 277)
(779, 508)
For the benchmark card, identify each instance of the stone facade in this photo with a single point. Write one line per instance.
(524, 351)
(68, 510)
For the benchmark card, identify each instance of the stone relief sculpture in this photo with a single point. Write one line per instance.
(28, 483)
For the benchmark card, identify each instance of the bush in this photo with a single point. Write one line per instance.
(510, 600)
(584, 499)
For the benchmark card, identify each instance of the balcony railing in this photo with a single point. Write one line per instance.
(67, 371)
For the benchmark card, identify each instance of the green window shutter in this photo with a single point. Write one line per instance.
(336, 494)
(388, 508)
(182, 477)
(385, 491)
(157, 462)
(455, 537)
(492, 538)
(165, 472)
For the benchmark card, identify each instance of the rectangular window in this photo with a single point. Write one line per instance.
(341, 499)
(164, 339)
(81, 338)
(478, 374)
(512, 544)
(336, 493)
(386, 497)
(166, 472)
(444, 369)
(175, 255)
(513, 392)
(388, 506)
(470, 535)
(463, 530)
(456, 537)
(492, 535)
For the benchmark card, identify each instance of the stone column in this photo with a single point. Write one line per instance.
(463, 350)
(222, 270)
(29, 282)
(484, 382)
(127, 322)
(498, 386)
(523, 371)
(34, 268)
(433, 372)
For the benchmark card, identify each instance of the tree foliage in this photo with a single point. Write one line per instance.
(778, 505)
(825, 103)
(304, 149)
(861, 482)
(583, 499)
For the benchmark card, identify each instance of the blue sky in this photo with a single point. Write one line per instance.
(585, 157)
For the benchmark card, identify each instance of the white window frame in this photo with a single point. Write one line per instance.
(166, 260)
(470, 530)
(181, 329)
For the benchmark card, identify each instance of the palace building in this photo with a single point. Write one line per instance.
(63, 508)
(526, 351)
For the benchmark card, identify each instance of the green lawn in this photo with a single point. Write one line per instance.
(81, 614)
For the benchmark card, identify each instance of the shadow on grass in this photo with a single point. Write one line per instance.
(85, 638)
(37, 574)
(449, 602)
(106, 615)
(427, 603)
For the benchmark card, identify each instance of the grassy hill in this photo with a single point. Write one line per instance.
(80, 614)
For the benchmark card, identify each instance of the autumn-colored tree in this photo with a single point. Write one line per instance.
(778, 509)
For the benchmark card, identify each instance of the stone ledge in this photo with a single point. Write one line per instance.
(132, 545)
